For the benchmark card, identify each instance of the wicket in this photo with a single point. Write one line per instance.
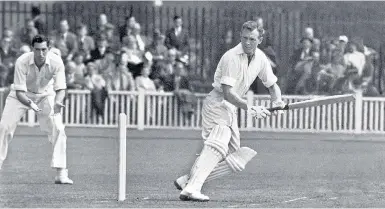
(122, 157)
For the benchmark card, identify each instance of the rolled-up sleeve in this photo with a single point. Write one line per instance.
(59, 77)
(266, 74)
(229, 70)
(20, 77)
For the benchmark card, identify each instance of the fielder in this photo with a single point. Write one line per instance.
(39, 84)
(222, 153)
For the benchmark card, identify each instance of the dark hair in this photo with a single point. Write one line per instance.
(304, 39)
(39, 39)
(35, 11)
(81, 26)
(177, 17)
(252, 25)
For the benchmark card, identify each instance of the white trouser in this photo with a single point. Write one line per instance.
(14, 110)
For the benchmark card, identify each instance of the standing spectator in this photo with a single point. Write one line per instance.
(39, 21)
(343, 41)
(85, 43)
(101, 25)
(112, 40)
(28, 32)
(66, 41)
(140, 40)
(126, 29)
(177, 37)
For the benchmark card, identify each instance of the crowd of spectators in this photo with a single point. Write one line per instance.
(107, 57)
(333, 65)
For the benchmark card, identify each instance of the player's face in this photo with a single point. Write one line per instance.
(250, 41)
(40, 51)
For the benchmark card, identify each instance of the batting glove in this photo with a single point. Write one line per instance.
(258, 112)
(279, 103)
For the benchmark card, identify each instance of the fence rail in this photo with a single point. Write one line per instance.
(154, 110)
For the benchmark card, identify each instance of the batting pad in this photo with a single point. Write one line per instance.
(219, 139)
(234, 162)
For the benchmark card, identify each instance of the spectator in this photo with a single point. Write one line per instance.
(28, 32)
(93, 80)
(39, 21)
(73, 82)
(100, 50)
(125, 30)
(52, 43)
(343, 41)
(121, 79)
(316, 46)
(158, 51)
(140, 40)
(143, 81)
(100, 25)
(80, 68)
(308, 76)
(112, 40)
(4, 73)
(15, 43)
(7, 54)
(177, 37)
(85, 43)
(327, 52)
(66, 41)
(175, 80)
(106, 65)
(354, 60)
(332, 77)
(135, 56)
(308, 33)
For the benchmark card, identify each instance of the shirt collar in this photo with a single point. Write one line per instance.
(239, 50)
(47, 60)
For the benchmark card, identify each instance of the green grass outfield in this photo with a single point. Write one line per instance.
(290, 170)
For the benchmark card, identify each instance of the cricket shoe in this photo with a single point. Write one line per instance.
(63, 178)
(181, 182)
(193, 196)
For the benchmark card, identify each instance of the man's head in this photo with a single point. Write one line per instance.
(308, 33)
(316, 44)
(130, 21)
(352, 47)
(251, 36)
(259, 21)
(102, 19)
(306, 43)
(70, 67)
(30, 24)
(8, 33)
(102, 42)
(178, 21)
(171, 55)
(91, 68)
(110, 30)
(64, 27)
(35, 11)
(136, 30)
(81, 30)
(179, 68)
(40, 47)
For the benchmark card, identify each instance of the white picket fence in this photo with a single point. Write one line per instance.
(160, 110)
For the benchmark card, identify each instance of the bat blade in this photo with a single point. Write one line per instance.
(316, 102)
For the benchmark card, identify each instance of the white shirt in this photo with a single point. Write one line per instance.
(357, 59)
(28, 78)
(233, 70)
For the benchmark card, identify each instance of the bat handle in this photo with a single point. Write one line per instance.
(271, 109)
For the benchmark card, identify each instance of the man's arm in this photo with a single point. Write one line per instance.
(60, 94)
(60, 84)
(275, 93)
(231, 96)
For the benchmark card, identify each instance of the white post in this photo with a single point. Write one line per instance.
(250, 101)
(122, 157)
(141, 109)
(31, 118)
(358, 113)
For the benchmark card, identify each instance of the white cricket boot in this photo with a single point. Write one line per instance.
(181, 182)
(193, 196)
(62, 177)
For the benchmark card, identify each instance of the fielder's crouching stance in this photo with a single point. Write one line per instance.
(222, 154)
(39, 84)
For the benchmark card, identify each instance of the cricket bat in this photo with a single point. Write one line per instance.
(316, 102)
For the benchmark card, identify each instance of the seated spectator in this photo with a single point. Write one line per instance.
(28, 32)
(143, 81)
(121, 78)
(53, 49)
(331, 78)
(39, 21)
(15, 43)
(100, 50)
(66, 41)
(327, 52)
(113, 41)
(93, 80)
(342, 42)
(73, 82)
(158, 50)
(308, 76)
(106, 65)
(85, 42)
(177, 37)
(301, 62)
(135, 56)
(354, 59)
(316, 46)
(174, 81)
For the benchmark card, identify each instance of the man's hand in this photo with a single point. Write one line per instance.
(57, 107)
(279, 103)
(258, 112)
(34, 106)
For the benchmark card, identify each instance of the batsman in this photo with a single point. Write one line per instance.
(222, 152)
(39, 84)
